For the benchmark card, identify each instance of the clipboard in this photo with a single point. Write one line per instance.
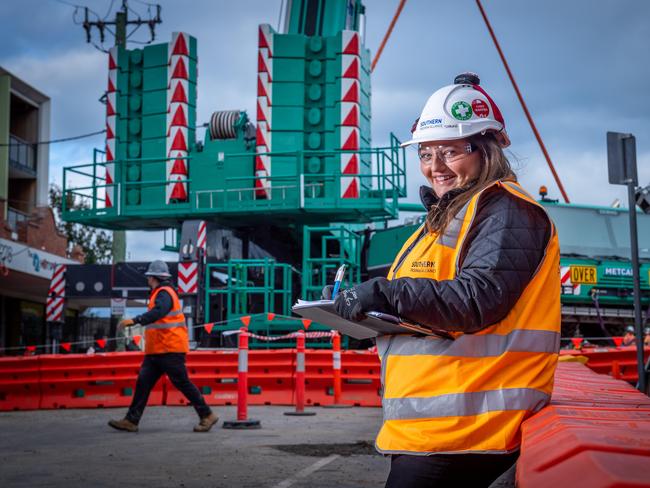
(374, 325)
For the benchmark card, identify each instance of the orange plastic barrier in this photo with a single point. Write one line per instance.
(20, 387)
(95, 381)
(619, 362)
(361, 378)
(595, 433)
(270, 377)
(359, 373)
(108, 380)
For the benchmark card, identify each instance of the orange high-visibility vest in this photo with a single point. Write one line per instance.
(168, 334)
(470, 394)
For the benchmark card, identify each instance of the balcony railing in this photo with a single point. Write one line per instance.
(15, 218)
(22, 153)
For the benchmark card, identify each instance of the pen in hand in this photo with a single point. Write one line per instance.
(337, 280)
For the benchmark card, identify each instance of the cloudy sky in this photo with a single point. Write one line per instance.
(581, 65)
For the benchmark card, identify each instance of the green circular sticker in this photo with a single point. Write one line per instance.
(461, 110)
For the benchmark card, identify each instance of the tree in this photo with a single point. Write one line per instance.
(96, 243)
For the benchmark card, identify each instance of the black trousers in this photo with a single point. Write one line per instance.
(442, 470)
(153, 367)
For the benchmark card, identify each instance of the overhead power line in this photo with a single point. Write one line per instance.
(54, 141)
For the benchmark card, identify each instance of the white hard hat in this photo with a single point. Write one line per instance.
(158, 269)
(458, 111)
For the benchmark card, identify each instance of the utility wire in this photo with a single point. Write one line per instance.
(108, 12)
(54, 141)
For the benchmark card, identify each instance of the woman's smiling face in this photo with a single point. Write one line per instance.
(449, 164)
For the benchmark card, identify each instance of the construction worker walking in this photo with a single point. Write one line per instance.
(166, 343)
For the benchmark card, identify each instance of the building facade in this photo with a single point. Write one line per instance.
(30, 246)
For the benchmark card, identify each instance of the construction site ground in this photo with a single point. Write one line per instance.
(75, 448)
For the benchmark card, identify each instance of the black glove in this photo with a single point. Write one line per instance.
(326, 293)
(371, 295)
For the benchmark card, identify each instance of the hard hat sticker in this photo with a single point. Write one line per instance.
(461, 110)
(480, 108)
(430, 123)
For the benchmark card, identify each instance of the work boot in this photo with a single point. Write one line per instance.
(123, 424)
(206, 423)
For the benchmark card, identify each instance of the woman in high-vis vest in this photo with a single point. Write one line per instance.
(483, 273)
(166, 343)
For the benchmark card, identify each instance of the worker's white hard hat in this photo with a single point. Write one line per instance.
(458, 111)
(158, 269)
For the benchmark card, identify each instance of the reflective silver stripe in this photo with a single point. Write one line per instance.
(242, 361)
(336, 360)
(464, 404)
(174, 314)
(300, 363)
(450, 237)
(427, 453)
(517, 189)
(477, 345)
(383, 347)
(170, 325)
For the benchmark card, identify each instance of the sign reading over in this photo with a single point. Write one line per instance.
(585, 275)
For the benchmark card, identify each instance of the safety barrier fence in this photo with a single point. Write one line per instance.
(595, 432)
(618, 362)
(108, 379)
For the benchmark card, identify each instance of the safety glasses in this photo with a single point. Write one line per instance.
(449, 153)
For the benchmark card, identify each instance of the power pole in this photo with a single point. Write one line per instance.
(121, 22)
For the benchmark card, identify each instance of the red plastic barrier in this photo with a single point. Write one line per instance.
(215, 375)
(359, 375)
(20, 387)
(619, 362)
(270, 377)
(361, 378)
(595, 433)
(95, 381)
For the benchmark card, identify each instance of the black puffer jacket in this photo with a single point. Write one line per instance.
(501, 253)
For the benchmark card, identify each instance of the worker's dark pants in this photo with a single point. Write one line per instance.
(153, 367)
(472, 470)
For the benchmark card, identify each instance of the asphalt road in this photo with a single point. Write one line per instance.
(76, 448)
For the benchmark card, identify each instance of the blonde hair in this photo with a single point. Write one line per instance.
(494, 167)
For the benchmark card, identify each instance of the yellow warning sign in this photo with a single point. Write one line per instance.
(583, 275)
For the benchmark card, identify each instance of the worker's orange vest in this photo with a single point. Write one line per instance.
(168, 334)
(470, 394)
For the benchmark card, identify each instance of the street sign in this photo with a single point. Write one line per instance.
(621, 158)
(118, 306)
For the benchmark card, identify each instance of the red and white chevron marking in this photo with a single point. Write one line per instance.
(264, 111)
(111, 119)
(350, 112)
(178, 91)
(350, 42)
(56, 295)
(188, 277)
(350, 66)
(565, 281)
(202, 236)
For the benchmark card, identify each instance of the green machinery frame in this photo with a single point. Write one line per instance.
(305, 197)
(274, 290)
(338, 245)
